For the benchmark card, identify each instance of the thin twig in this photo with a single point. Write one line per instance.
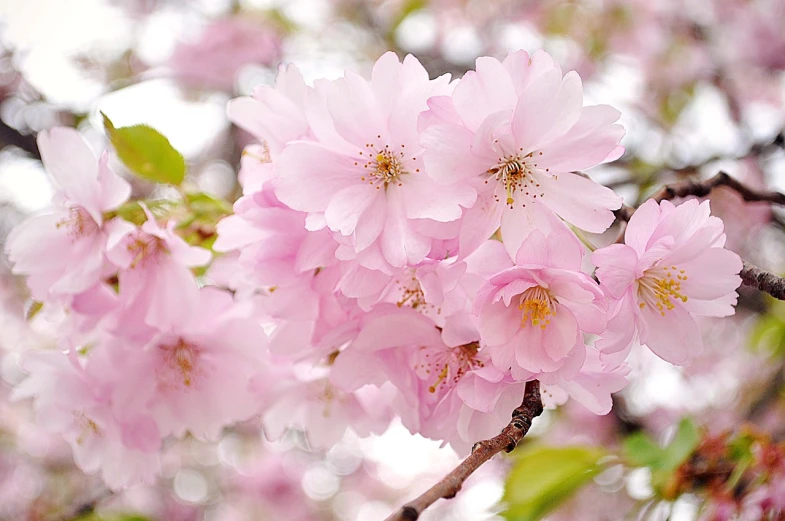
(482, 451)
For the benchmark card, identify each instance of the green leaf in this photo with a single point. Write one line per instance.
(146, 152)
(642, 451)
(133, 213)
(543, 477)
(683, 445)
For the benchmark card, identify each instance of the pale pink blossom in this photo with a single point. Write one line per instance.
(671, 268)
(363, 176)
(77, 404)
(62, 251)
(515, 132)
(275, 115)
(533, 315)
(307, 399)
(193, 376)
(275, 247)
(223, 48)
(592, 387)
(449, 392)
(156, 282)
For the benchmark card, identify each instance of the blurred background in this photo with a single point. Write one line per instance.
(700, 86)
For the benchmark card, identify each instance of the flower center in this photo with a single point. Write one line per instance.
(88, 426)
(537, 305)
(383, 166)
(180, 360)
(515, 173)
(79, 223)
(143, 246)
(411, 292)
(660, 287)
(445, 368)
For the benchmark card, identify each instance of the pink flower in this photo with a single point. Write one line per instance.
(275, 247)
(156, 283)
(193, 376)
(77, 404)
(514, 132)
(62, 251)
(447, 391)
(671, 268)
(533, 315)
(307, 399)
(275, 115)
(592, 386)
(223, 48)
(364, 172)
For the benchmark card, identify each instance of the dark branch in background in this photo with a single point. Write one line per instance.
(482, 451)
(703, 188)
(750, 275)
(11, 136)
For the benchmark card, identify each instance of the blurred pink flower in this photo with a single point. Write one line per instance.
(224, 47)
(78, 405)
(85, 188)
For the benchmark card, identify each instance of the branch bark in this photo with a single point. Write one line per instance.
(767, 282)
(704, 188)
(507, 440)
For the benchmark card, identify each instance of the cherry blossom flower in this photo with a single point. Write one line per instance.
(364, 172)
(156, 282)
(274, 115)
(77, 404)
(85, 189)
(671, 268)
(222, 49)
(533, 315)
(515, 131)
(195, 374)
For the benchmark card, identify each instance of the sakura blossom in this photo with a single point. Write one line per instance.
(364, 175)
(414, 268)
(671, 268)
(86, 190)
(516, 132)
(533, 314)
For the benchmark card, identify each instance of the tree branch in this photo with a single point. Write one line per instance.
(704, 188)
(11, 136)
(767, 282)
(482, 451)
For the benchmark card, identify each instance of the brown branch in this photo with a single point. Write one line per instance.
(704, 188)
(482, 451)
(767, 282)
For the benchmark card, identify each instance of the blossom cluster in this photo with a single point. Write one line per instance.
(404, 247)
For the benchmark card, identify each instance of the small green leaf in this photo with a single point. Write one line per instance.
(133, 213)
(683, 445)
(544, 477)
(146, 152)
(642, 451)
